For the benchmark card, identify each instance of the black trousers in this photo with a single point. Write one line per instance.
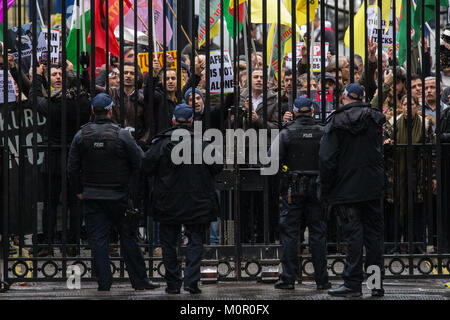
(290, 220)
(52, 193)
(100, 216)
(169, 236)
(363, 226)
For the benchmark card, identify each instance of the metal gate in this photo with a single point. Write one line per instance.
(41, 221)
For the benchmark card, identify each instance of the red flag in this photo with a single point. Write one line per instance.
(100, 29)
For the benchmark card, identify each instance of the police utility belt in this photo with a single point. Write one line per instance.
(302, 185)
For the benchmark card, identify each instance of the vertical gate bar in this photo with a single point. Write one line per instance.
(164, 44)
(35, 134)
(222, 83)
(121, 64)
(439, 196)
(150, 107)
(280, 60)
(380, 57)
(107, 44)
(5, 116)
(179, 50)
(20, 204)
(207, 121)
(427, 210)
(52, 222)
(64, 144)
(409, 146)
(222, 100)
(123, 111)
(249, 68)
(265, 119)
(366, 42)
(308, 54)
(92, 84)
(93, 48)
(237, 184)
(294, 48)
(322, 61)
(336, 23)
(352, 40)
(136, 74)
(396, 199)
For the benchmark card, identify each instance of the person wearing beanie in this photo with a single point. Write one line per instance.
(298, 151)
(103, 167)
(183, 194)
(217, 113)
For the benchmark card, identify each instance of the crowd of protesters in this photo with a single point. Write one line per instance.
(147, 110)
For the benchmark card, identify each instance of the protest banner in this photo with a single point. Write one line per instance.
(372, 27)
(11, 89)
(316, 56)
(144, 63)
(42, 45)
(216, 72)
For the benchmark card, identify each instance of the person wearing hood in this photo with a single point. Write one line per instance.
(352, 183)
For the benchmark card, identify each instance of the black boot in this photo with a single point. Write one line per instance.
(345, 292)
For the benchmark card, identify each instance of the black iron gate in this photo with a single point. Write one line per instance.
(36, 247)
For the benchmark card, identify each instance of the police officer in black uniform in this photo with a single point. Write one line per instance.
(104, 164)
(183, 194)
(352, 181)
(298, 145)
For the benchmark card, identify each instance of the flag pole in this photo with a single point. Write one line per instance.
(40, 14)
(146, 27)
(245, 26)
(83, 22)
(271, 53)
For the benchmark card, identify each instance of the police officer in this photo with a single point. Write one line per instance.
(298, 154)
(352, 181)
(104, 162)
(183, 194)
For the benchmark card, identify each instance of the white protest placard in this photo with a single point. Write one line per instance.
(372, 28)
(43, 45)
(11, 88)
(216, 72)
(316, 56)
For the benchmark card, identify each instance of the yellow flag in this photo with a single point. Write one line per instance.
(360, 25)
(302, 8)
(272, 12)
(232, 3)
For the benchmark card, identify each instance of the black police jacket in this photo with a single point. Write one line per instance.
(104, 161)
(351, 155)
(183, 193)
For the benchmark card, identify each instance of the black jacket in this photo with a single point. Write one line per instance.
(184, 193)
(78, 113)
(351, 155)
(127, 148)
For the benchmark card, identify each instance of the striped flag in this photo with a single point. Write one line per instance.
(80, 12)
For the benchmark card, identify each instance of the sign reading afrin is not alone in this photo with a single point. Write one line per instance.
(216, 73)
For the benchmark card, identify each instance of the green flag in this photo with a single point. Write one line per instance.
(71, 45)
(402, 37)
(430, 10)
